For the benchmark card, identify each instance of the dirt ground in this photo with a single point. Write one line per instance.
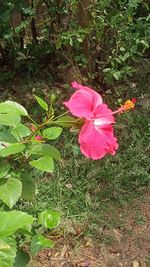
(129, 245)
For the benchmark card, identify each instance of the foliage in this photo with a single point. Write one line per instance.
(22, 147)
(105, 38)
(130, 32)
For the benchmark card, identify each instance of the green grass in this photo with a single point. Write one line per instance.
(92, 192)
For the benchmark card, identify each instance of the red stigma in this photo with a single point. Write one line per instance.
(134, 100)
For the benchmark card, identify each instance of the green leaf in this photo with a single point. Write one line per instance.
(45, 164)
(52, 133)
(4, 168)
(41, 102)
(146, 5)
(6, 136)
(10, 191)
(11, 221)
(11, 106)
(77, 58)
(122, 49)
(11, 149)
(66, 121)
(22, 259)
(10, 119)
(27, 231)
(20, 131)
(49, 218)
(28, 188)
(45, 150)
(145, 43)
(8, 250)
(84, 60)
(40, 242)
(117, 75)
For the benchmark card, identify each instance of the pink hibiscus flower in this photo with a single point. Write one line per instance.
(96, 137)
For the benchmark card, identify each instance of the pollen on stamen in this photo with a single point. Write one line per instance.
(129, 104)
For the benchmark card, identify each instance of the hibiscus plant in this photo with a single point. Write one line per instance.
(26, 144)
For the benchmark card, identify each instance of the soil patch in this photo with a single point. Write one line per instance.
(129, 244)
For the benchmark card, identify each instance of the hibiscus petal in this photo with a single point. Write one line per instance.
(103, 115)
(80, 104)
(96, 98)
(96, 142)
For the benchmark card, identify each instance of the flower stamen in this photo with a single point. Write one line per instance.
(129, 104)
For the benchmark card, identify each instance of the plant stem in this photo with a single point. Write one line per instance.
(32, 120)
(61, 115)
(51, 120)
